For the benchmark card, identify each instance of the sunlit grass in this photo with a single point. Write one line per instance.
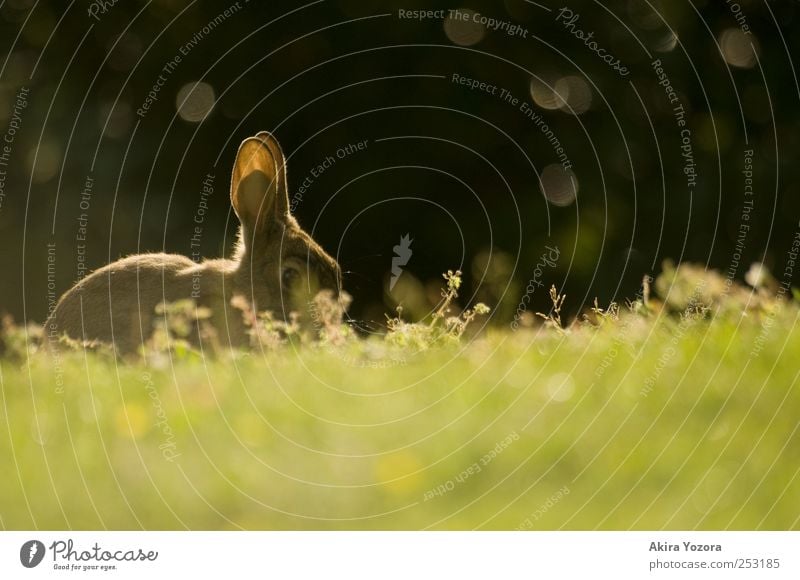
(665, 414)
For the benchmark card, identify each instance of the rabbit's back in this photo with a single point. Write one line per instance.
(116, 304)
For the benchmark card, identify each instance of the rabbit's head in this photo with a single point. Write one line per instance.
(280, 267)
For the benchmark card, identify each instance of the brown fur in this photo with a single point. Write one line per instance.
(116, 304)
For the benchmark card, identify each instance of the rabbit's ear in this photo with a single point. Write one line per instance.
(258, 187)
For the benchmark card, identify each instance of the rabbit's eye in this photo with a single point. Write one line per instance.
(290, 277)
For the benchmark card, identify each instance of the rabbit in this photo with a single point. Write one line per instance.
(276, 267)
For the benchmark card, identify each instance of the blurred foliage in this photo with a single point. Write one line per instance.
(463, 180)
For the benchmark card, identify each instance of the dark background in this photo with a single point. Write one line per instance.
(333, 73)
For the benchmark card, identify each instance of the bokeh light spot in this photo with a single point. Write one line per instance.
(462, 30)
(573, 95)
(666, 43)
(738, 49)
(195, 101)
(644, 15)
(559, 185)
(544, 95)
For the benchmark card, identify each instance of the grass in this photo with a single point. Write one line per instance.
(679, 412)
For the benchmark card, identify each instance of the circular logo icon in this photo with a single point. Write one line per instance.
(31, 553)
